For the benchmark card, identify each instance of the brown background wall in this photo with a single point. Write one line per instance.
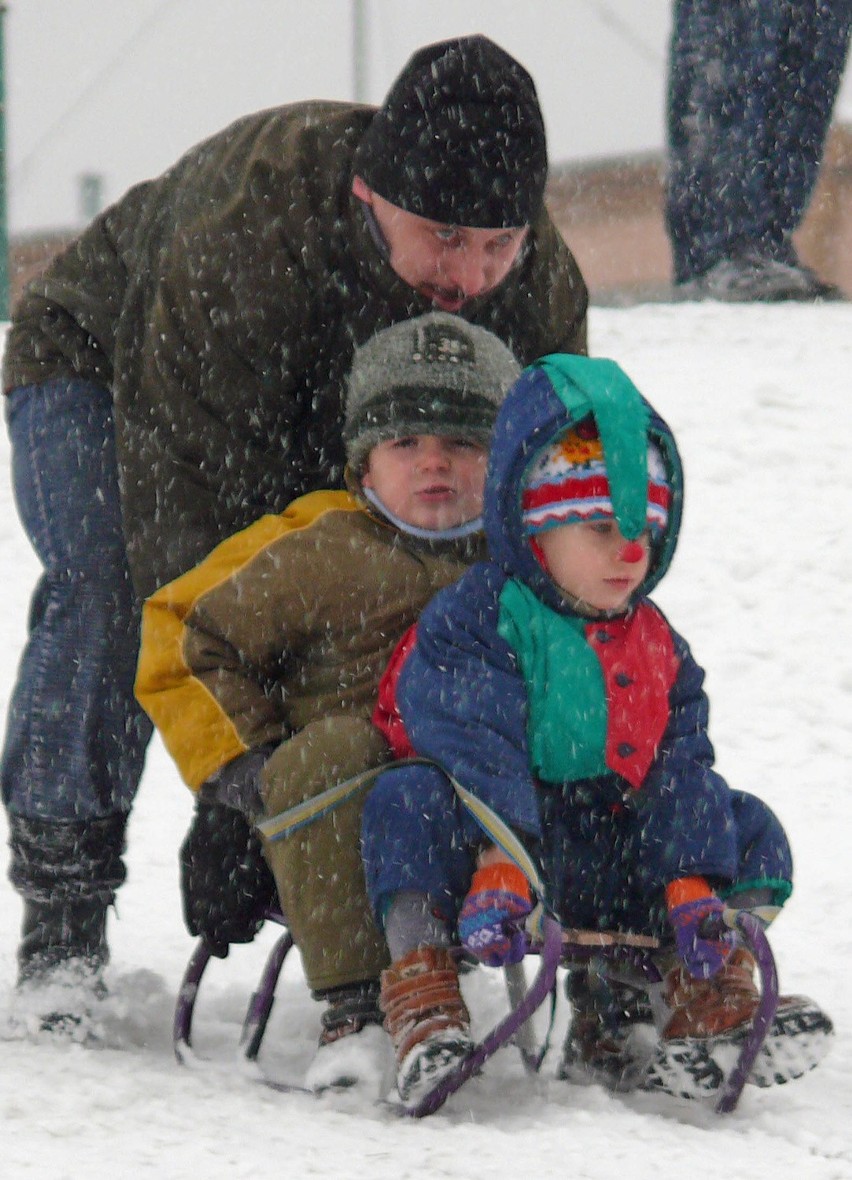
(611, 215)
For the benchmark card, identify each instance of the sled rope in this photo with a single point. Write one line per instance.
(278, 827)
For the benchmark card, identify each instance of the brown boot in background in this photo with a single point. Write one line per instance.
(427, 1019)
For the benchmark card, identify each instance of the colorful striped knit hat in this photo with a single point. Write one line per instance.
(568, 484)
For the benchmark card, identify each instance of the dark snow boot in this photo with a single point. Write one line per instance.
(61, 957)
(52, 933)
(353, 1047)
(611, 1038)
(68, 874)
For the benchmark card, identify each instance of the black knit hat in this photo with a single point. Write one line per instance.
(435, 374)
(460, 138)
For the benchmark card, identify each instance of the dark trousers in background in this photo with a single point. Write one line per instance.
(752, 85)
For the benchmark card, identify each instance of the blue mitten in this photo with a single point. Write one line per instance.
(489, 920)
(703, 943)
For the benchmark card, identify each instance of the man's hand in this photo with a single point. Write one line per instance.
(225, 881)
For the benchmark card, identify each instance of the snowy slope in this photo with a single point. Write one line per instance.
(759, 398)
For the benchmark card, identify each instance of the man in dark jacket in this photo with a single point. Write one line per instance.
(189, 349)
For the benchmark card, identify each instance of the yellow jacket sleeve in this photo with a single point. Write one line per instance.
(214, 628)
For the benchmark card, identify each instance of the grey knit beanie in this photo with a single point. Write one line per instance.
(436, 374)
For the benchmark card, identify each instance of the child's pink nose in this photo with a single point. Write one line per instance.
(632, 552)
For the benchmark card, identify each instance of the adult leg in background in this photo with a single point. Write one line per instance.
(752, 84)
(799, 108)
(75, 736)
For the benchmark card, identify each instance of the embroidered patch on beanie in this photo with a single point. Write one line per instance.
(568, 484)
(436, 374)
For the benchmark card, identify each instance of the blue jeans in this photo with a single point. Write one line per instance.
(75, 736)
(752, 84)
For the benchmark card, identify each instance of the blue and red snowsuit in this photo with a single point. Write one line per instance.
(484, 692)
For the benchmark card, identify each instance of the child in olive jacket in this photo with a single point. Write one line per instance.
(263, 662)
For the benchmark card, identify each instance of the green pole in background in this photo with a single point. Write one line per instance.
(4, 229)
(359, 50)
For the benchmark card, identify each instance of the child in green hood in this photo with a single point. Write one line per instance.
(561, 701)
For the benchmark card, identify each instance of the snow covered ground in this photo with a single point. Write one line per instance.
(760, 400)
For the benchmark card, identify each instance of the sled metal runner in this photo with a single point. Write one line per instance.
(260, 1005)
(554, 948)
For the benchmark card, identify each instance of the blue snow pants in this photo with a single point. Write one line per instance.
(417, 835)
(752, 84)
(75, 736)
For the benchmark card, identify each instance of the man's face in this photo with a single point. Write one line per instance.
(447, 264)
(427, 480)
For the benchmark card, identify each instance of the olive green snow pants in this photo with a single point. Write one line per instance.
(317, 868)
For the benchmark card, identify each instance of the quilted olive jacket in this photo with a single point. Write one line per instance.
(222, 302)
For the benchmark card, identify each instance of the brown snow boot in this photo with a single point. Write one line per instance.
(427, 1019)
(707, 1022)
(708, 1007)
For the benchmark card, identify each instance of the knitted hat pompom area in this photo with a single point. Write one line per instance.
(568, 484)
(435, 374)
